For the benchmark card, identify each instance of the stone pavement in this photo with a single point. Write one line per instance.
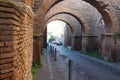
(53, 70)
(89, 68)
(84, 67)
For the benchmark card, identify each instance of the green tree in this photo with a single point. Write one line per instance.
(52, 38)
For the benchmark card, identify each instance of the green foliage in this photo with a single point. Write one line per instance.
(117, 33)
(64, 46)
(52, 38)
(96, 55)
(35, 67)
(110, 61)
(36, 34)
(93, 54)
(41, 64)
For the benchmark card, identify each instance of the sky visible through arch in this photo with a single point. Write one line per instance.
(56, 27)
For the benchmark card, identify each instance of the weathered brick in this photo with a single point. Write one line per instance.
(3, 61)
(8, 15)
(9, 43)
(5, 32)
(6, 37)
(16, 32)
(6, 49)
(4, 66)
(10, 74)
(6, 70)
(6, 55)
(1, 44)
(7, 79)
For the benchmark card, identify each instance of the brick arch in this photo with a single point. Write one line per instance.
(111, 20)
(72, 30)
(46, 5)
(81, 20)
(110, 17)
(108, 14)
(84, 26)
(28, 2)
(43, 8)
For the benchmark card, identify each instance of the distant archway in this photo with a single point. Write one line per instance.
(106, 10)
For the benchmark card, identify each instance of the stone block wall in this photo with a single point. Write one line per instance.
(16, 41)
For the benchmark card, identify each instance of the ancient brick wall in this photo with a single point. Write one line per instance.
(89, 43)
(36, 48)
(16, 41)
(36, 5)
(42, 10)
(108, 46)
(28, 2)
(67, 36)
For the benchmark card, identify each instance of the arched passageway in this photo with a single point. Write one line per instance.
(104, 8)
(94, 26)
(54, 31)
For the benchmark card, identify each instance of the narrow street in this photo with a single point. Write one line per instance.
(52, 70)
(88, 68)
(84, 67)
(32, 33)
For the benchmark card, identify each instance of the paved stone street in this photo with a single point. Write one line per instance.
(53, 70)
(84, 67)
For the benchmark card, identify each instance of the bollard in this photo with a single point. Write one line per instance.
(55, 55)
(52, 51)
(50, 48)
(70, 63)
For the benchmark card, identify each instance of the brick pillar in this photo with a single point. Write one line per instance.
(6, 41)
(67, 40)
(117, 43)
(38, 48)
(37, 53)
(89, 43)
(108, 48)
(45, 39)
(76, 42)
(42, 43)
(6, 55)
(16, 41)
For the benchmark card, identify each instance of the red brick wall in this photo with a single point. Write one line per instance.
(67, 36)
(89, 43)
(108, 47)
(28, 2)
(16, 41)
(36, 48)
